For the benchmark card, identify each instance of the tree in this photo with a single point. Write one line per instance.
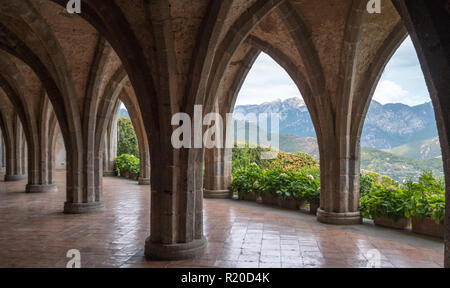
(127, 140)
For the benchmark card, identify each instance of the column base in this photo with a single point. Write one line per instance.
(349, 218)
(181, 251)
(81, 208)
(11, 178)
(41, 188)
(217, 194)
(109, 173)
(144, 181)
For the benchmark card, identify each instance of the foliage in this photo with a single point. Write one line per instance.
(127, 141)
(387, 181)
(297, 176)
(130, 163)
(382, 201)
(246, 180)
(291, 162)
(243, 157)
(283, 184)
(427, 198)
(365, 184)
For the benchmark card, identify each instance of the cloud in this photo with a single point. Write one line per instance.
(401, 82)
(266, 81)
(390, 92)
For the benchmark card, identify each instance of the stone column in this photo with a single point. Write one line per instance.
(110, 149)
(176, 205)
(144, 177)
(2, 153)
(16, 158)
(428, 23)
(340, 172)
(40, 178)
(217, 173)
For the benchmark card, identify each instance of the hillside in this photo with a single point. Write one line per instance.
(386, 126)
(397, 167)
(426, 149)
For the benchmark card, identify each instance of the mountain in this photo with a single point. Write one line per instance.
(392, 125)
(294, 115)
(398, 167)
(411, 130)
(386, 126)
(425, 149)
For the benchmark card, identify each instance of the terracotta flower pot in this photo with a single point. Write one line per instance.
(125, 174)
(247, 196)
(289, 204)
(402, 223)
(428, 226)
(302, 204)
(313, 208)
(269, 200)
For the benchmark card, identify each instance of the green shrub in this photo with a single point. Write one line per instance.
(381, 201)
(285, 185)
(427, 198)
(278, 183)
(246, 180)
(243, 157)
(387, 181)
(310, 188)
(130, 163)
(127, 140)
(365, 184)
(291, 162)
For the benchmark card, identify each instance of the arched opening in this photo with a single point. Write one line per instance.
(402, 175)
(127, 153)
(273, 136)
(401, 122)
(268, 90)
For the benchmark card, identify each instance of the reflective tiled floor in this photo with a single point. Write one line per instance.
(35, 233)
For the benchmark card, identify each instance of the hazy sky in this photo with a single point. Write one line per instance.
(402, 81)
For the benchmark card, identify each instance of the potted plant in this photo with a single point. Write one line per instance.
(288, 199)
(246, 182)
(127, 166)
(310, 191)
(267, 188)
(387, 206)
(428, 206)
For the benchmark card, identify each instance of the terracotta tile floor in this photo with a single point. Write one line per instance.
(35, 233)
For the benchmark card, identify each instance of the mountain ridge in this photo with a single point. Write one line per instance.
(386, 126)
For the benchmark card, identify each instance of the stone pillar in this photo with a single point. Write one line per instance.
(176, 205)
(15, 156)
(217, 173)
(144, 177)
(110, 148)
(40, 178)
(2, 153)
(340, 172)
(428, 23)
